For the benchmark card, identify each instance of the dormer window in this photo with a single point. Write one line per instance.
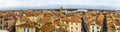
(24, 29)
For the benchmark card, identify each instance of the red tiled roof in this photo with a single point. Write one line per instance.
(29, 13)
(47, 28)
(49, 14)
(99, 22)
(57, 22)
(45, 20)
(9, 17)
(117, 22)
(72, 19)
(38, 12)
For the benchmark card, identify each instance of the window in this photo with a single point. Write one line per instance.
(24, 30)
(97, 31)
(71, 23)
(97, 27)
(71, 31)
(76, 28)
(71, 27)
(92, 28)
(29, 30)
(76, 23)
(66, 27)
(66, 22)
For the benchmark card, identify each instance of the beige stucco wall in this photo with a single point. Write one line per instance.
(21, 29)
(74, 25)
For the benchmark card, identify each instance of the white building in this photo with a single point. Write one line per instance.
(74, 24)
(95, 28)
(94, 22)
(82, 10)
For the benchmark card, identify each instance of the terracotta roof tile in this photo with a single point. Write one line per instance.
(91, 20)
(117, 22)
(100, 20)
(57, 22)
(72, 19)
(110, 22)
(29, 13)
(49, 14)
(38, 12)
(47, 28)
(9, 17)
(44, 21)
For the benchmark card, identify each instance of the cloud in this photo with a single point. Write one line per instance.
(47, 3)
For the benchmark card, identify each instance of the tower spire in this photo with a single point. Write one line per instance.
(61, 9)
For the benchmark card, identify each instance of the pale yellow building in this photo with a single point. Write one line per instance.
(73, 24)
(25, 25)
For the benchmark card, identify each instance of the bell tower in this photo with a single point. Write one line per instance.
(61, 9)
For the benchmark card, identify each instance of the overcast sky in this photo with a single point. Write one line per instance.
(46, 3)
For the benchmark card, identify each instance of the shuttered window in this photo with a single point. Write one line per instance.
(92, 28)
(24, 29)
(28, 29)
